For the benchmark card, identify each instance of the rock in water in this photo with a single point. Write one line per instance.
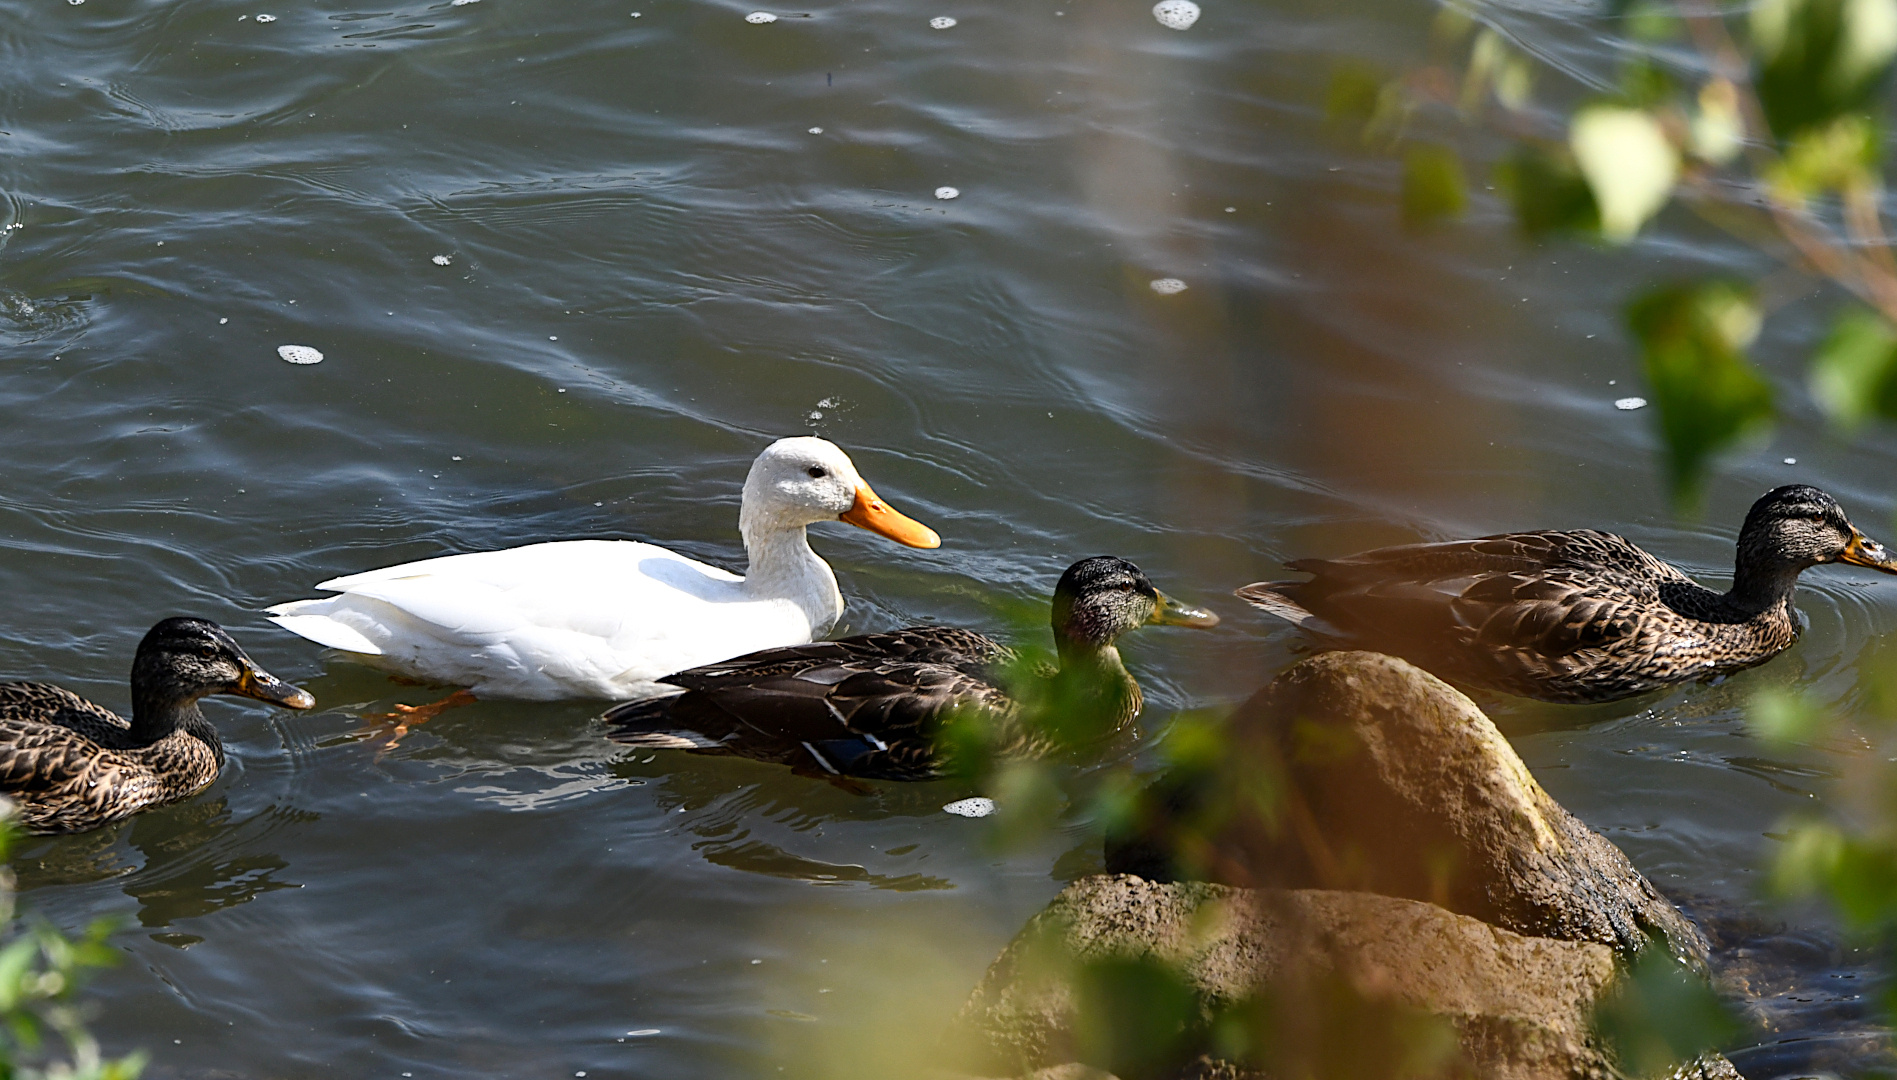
(1339, 971)
(1388, 780)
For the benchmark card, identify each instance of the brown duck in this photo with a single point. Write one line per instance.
(1576, 616)
(873, 706)
(72, 765)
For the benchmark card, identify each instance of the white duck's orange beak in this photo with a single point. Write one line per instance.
(874, 514)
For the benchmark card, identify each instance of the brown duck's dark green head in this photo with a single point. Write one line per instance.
(1099, 599)
(1797, 526)
(183, 659)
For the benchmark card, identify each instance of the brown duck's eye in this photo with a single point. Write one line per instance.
(207, 652)
(816, 472)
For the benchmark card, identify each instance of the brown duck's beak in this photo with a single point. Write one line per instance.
(260, 684)
(1170, 612)
(874, 514)
(1864, 551)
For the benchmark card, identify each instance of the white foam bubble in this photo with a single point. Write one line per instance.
(299, 354)
(642, 1032)
(1176, 14)
(1167, 286)
(266, 18)
(635, 14)
(1791, 461)
(462, 3)
(941, 22)
(760, 17)
(443, 260)
(947, 193)
(816, 131)
(1629, 404)
(976, 807)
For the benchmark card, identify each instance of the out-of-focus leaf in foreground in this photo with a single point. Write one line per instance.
(1820, 59)
(1547, 192)
(1854, 372)
(1660, 1015)
(1629, 163)
(1433, 185)
(1693, 339)
(1782, 715)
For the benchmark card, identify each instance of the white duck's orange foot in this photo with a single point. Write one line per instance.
(397, 722)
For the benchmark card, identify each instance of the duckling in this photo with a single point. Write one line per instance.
(1574, 617)
(72, 765)
(871, 706)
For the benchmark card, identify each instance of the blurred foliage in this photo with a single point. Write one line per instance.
(1854, 374)
(1661, 1015)
(1433, 186)
(1767, 120)
(1693, 339)
(41, 971)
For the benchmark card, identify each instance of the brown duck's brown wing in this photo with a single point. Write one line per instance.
(867, 706)
(65, 782)
(49, 704)
(1506, 600)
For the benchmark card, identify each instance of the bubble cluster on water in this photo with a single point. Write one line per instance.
(443, 260)
(947, 193)
(299, 354)
(816, 131)
(461, 3)
(941, 22)
(1629, 404)
(266, 18)
(1176, 14)
(1167, 286)
(760, 17)
(970, 808)
(1791, 461)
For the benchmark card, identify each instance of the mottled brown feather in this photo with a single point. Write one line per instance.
(70, 764)
(1574, 616)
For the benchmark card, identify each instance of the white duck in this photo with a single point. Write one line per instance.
(604, 618)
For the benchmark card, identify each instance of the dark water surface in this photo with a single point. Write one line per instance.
(654, 267)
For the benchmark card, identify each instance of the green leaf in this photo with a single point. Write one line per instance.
(1819, 59)
(1858, 875)
(1629, 163)
(1134, 1015)
(1783, 715)
(1549, 196)
(1708, 395)
(1649, 21)
(1354, 93)
(1433, 185)
(1854, 373)
(1718, 127)
(1660, 1015)
(1838, 156)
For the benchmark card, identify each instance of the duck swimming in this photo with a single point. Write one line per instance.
(604, 618)
(72, 765)
(871, 706)
(1574, 617)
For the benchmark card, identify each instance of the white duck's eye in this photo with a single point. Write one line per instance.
(817, 472)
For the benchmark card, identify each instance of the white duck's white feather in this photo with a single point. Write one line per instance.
(598, 618)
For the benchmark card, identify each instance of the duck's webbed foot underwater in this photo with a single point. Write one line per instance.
(397, 722)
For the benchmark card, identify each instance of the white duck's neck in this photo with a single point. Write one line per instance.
(784, 568)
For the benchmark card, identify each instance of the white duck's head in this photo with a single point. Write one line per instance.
(804, 480)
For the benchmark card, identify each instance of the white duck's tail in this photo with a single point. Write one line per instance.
(310, 619)
(1269, 596)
